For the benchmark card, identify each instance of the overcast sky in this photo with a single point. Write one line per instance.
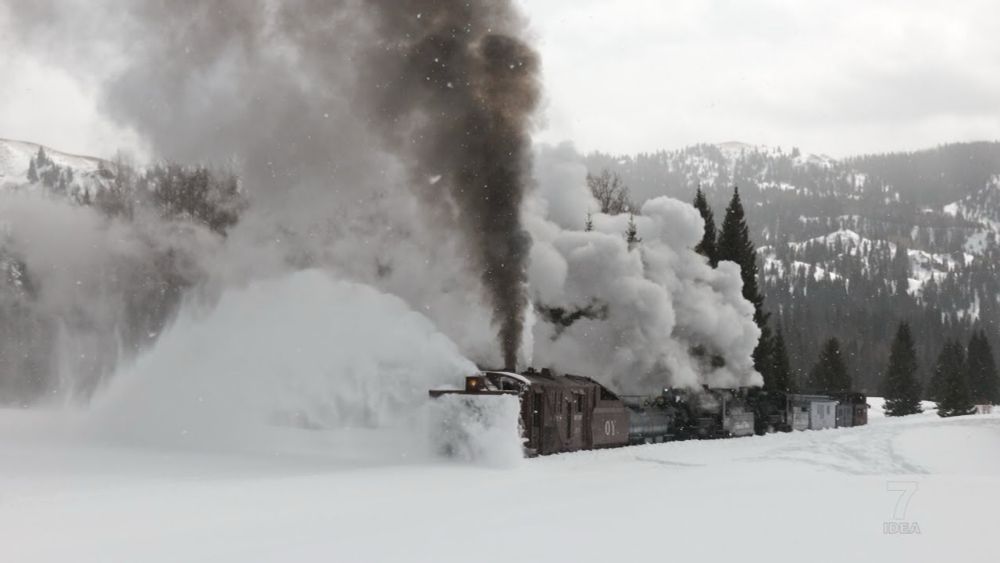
(829, 76)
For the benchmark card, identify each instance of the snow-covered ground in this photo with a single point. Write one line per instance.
(810, 496)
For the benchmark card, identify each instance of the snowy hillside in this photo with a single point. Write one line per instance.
(829, 233)
(923, 266)
(83, 173)
(982, 209)
(835, 494)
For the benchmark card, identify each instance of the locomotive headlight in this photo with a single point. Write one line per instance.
(474, 384)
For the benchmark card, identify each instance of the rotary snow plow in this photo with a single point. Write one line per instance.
(478, 423)
(547, 413)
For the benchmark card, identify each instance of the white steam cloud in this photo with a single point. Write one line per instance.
(646, 309)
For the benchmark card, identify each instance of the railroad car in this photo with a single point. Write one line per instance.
(777, 411)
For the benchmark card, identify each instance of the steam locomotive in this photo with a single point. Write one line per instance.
(566, 413)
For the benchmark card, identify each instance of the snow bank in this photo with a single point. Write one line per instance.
(301, 352)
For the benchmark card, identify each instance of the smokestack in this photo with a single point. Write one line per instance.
(456, 91)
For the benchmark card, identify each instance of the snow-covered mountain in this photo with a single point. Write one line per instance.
(30, 165)
(982, 209)
(923, 266)
(830, 232)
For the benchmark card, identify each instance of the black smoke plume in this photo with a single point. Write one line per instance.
(456, 92)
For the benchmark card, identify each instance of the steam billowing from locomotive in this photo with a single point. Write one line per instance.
(387, 142)
(455, 93)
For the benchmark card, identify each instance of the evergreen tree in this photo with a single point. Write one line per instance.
(734, 244)
(707, 245)
(954, 398)
(781, 371)
(32, 171)
(632, 232)
(900, 388)
(901, 270)
(830, 375)
(937, 384)
(589, 224)
(984, 383)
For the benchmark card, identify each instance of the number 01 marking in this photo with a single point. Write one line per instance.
(609, 428)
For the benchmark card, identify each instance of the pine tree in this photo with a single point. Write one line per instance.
(781, 371)
(954, 398)
(901, 270)
(589, 224)
(900, 388)
(632, 232)
(936, 387)
(32, 171)
(984, 382)
(734, 244)
(707, 245)
(41, 158)
(830, 375)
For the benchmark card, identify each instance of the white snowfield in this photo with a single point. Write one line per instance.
(833, 495)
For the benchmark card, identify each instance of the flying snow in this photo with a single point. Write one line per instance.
(303, 351)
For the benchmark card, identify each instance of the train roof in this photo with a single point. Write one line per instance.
(546, 378)
(512, 375)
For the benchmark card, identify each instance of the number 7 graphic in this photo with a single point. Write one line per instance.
(906, 489)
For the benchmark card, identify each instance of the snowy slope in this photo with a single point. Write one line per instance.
(981, 208)
(816, 496)
(15, 157)
(924, 266)
(735, 150)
